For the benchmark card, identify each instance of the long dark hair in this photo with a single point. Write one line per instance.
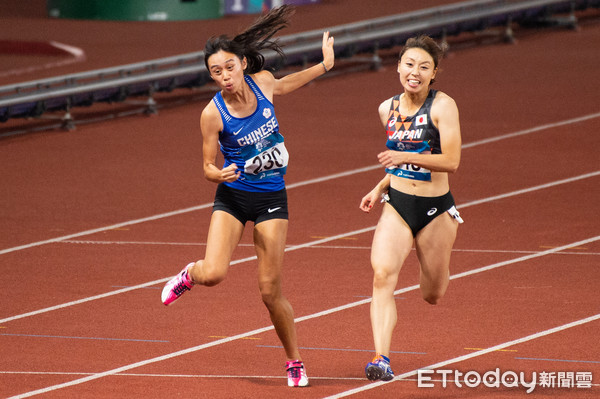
(255, 38)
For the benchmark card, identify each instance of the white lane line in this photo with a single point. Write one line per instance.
(213, 376)
(347, 247)
(163, 280)
(290, 186)
(298, 320)
(105, 228)
(457, 276)
(469, 356)
(291, 248)
(533, 130)
(530, 189)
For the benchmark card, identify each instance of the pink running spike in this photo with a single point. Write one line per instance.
(296, 374)
(177, 286)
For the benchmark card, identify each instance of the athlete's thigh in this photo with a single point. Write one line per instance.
(392, 241)
(269, 243)
(224, 234)
(434, 246)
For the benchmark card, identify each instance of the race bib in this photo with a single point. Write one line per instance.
(409, 171)
(266, 159)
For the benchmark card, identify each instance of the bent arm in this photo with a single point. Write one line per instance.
(210, 126)
(446, 118)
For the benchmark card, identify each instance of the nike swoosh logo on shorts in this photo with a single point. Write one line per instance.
(271, 210)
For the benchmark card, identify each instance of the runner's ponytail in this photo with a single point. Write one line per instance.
(253, 40)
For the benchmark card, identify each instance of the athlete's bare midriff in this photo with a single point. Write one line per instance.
(436, 187)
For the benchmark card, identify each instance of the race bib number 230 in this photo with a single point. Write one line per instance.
(268, 158)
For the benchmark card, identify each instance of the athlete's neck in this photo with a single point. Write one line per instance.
(240, 103)
(412, 102)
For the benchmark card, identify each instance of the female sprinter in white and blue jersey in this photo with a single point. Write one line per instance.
(424, 145)
(241, 121)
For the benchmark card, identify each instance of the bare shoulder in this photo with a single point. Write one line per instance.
(263, 76)
(210, 119)
(384, 107)
(386, 104)
(384, 110)
(443, 101)
(263, 79)
(209, 111)
(444, 115)
(266, 82)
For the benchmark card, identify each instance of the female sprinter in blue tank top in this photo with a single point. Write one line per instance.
(424, 144)
(241, 121)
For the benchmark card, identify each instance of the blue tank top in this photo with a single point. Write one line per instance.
(415, 133)
(254, 144)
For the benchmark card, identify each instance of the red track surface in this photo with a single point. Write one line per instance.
(87, 213)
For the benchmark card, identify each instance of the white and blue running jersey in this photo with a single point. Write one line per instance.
(254, 144)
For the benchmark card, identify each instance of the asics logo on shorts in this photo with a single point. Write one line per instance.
(432, 212)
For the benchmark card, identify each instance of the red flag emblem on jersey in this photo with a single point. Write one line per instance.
(421, 120)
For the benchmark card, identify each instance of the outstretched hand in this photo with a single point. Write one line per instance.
(328, 53)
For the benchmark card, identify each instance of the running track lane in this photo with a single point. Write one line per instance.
(345, 307)
(459, 281)
(291, 186)
(466, 205)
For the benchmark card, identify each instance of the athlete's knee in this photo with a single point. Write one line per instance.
(433, 297)
(383, 277)
(207, 273)
(270, 291)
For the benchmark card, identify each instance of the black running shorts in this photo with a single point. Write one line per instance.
(251, 206)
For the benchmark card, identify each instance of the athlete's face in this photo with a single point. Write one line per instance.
(416, 69)
(227, 70)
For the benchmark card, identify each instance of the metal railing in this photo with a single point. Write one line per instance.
(32, 99)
